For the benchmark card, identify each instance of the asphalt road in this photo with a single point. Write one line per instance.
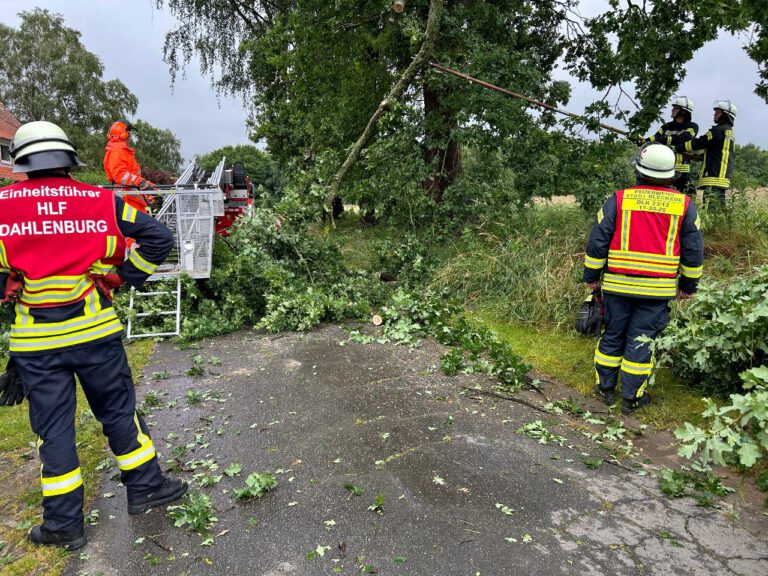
(463, 493)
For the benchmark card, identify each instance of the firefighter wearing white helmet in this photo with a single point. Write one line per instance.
(60, 240)
(719, 145)
(645, 248)
(677, 132)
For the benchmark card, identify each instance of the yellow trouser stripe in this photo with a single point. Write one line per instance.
(609, 361)
(56, 485)
(139, 456)
(142, 264)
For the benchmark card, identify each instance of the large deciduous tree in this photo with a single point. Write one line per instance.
(47, 74)
(314, 71)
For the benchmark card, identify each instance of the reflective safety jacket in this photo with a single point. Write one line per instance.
(122, 169)
(57, 232)
(642, 238)
(719, 145)
(674, 134)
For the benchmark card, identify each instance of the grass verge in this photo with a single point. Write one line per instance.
(20, 499)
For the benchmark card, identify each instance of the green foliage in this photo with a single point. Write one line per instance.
(409, 316)
(196, 513)
(751, 170)
(702, 486)
(156, 149)
(47, 73)
(733, 433)
(721, 333)
(256, 485)
(539, 430)
(260, 167)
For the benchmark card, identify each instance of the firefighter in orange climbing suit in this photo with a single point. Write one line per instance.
(121, 166)
(58, 238)
(642, 239)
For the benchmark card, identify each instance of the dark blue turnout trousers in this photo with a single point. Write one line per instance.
(49, 385)
(627, 318)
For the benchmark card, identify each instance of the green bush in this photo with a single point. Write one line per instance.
(720, 334)
(736, 433)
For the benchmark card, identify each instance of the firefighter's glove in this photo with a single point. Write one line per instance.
(145, 185)
(11, 390)
(14, 285)
(106, 283)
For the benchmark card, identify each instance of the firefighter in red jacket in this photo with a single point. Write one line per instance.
(645, 249)
(64, 325)
(121, 166)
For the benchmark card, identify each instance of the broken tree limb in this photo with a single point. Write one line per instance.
(521, 97)
(430, 39)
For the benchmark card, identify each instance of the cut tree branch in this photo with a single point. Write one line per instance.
(430, 39)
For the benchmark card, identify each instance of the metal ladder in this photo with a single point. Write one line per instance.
(172, 215)
(134, 330)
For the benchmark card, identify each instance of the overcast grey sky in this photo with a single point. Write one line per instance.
(128, 37)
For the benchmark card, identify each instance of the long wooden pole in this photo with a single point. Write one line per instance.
(516, 95)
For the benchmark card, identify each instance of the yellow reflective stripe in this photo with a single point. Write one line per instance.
(625, 224)
(142, 264)
(639, 291)
(672, 235)
(609, 361)
(3, 256)
(640, 286)
(726, 153)
(58, 282)
(55, 297)
(637, 365)
(64, 327)
(644, 256)
(23, 317)
(139, 456)
(683, 168)
(710, 135)
(100, 268)
(129, 213)
(594, 263)
(689, 146)
(600, 216)
(111, 246)
(52, 342)
(641, 266)
(637, 372)
(639, 280)
(56, 485)
(697, 222)
(92, 304)
(714, 182)
(692, 271)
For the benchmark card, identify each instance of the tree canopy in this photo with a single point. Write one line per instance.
(312, 72)
(46, 73)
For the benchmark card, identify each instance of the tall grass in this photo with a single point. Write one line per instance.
(528, 269)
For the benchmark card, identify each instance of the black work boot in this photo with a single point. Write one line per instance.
(169, 490)
(608, 396)
(66, 539)
(630, 406)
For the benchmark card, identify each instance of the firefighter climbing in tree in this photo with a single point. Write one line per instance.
(642, 238)
(121, 166)
(676, 133)
(55, 235)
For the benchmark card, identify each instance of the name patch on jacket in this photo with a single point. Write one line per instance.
(646, 200)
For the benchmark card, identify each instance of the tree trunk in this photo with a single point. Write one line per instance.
(441, 153)
(430, 38)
